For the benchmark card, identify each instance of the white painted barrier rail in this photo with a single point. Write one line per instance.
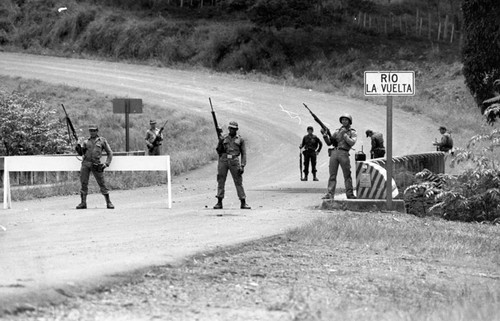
(71, 164)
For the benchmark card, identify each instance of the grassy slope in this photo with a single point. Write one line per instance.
(349, 266)
(181, 137)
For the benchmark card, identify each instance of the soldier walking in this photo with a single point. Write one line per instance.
(230, 147)
(342, 139)
(153, 139)
(378, 149)
(312, 147)
(91, 150)
(446, 143)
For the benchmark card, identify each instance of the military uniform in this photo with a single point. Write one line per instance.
(230, 148)
(312, 146)
(446, 143)
(91, 150)
(343, 139)
(153, 149)
(378, 149)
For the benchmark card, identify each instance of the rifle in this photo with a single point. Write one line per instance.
(158, 138)
(69, 125)
(323, 126)
(300, 164)
(218, 130)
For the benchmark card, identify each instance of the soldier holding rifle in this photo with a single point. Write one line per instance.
(154, 137)
(230, 147)
(342, 141)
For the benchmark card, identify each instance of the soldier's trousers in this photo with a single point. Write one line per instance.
(154, 151)
(85, 175)
(309, 156)
(378, 153)
(340, 158)
(233, 166)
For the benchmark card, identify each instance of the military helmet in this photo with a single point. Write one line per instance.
(233, 124)
(93, 127)
(369, 132)
(346, 116)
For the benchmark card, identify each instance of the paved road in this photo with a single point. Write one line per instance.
(48, 245)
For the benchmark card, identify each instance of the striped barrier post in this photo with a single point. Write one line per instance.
(371, 174)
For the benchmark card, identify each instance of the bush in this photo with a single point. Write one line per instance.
(28, 127)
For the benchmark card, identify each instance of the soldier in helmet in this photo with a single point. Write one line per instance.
(151, 137)
(230, 147)
(342, 139)
(91, 150)
(378, 149)
(312, 146)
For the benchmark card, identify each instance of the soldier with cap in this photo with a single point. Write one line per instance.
(312, 147)
(378, 149)
(342, 139)
(230, 148)
(446, 143)
(152, 142)
(91, 150)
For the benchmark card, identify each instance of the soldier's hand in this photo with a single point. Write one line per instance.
(317, 153)
(242, 170)
(323, 132)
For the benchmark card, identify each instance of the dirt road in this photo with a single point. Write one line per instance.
(49, 246)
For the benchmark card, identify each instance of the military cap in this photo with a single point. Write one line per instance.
(233, 124)
(310, 127)
(152, 122)
(442, 127)
(93, 127)
(369, 132)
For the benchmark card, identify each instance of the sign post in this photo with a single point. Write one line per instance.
(127, 106)
(389, 84)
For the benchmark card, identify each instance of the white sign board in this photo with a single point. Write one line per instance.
(389, 83)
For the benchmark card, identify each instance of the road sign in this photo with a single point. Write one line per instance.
(389, 83)
(127, 106)
(120, 105)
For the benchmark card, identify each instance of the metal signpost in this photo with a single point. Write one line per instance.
(127, 106)
(389, 84)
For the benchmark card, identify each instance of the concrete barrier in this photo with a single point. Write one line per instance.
(371, 174)
(59, 164)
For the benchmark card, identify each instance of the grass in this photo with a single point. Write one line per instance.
(186, 136)
(347, 266)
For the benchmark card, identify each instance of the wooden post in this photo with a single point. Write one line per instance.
(452, 32)
(364, 20)
(445, 28)
(439, 31)
(416, 22)
(430, 27)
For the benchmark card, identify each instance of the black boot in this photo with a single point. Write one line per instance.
(218, 206)
(244, 205)
(108, 202)
(315, 178)
(83, 204)
(304, 179)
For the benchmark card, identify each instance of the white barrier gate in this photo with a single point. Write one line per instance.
(72, 164)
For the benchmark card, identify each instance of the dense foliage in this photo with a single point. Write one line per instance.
(28, 127)
(481, 49)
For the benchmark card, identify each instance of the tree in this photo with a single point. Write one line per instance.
(28, 127)
(481, 49)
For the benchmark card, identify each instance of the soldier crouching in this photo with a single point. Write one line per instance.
(230, 148)
(91, 150)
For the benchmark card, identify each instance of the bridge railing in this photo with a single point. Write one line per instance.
(371, 174)
(72, 164)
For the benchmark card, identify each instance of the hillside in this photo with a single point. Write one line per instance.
(326, 48)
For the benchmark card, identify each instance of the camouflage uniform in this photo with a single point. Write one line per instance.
(150, 138)
(91, 150)
(343, 138)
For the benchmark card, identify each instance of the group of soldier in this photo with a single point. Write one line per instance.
(231, 148)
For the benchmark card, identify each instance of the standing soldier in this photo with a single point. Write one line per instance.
(91, 151)
(378, 149)
(230, 148)
(312, 146)
(343, 139)
(154, 136)
(446, 143)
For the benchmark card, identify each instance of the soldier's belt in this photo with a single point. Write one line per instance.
(232, 156)
(338, 148)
